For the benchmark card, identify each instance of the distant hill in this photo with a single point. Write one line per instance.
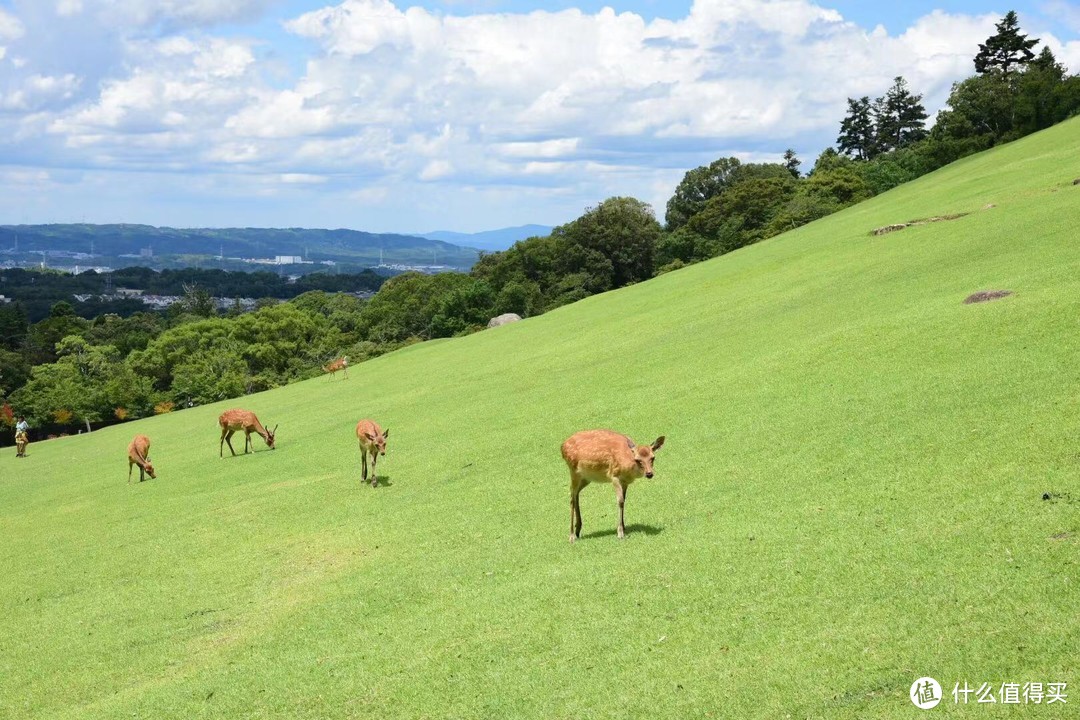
(347, 246)
(490, 239)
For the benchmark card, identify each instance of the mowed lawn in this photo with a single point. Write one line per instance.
(850, 497)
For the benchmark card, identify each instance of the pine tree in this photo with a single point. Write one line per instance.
(1006, 48)
(899, 117)
(792, 162)
(857, 131)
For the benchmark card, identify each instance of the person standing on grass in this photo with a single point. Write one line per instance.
(22, 436)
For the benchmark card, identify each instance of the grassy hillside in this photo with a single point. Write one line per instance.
(850, 497)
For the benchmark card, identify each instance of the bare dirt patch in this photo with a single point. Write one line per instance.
(885, 230)
(986, 296)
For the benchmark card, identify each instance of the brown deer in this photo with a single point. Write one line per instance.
(342, 363)
(139, 454)
(605, 456)
(234, 420)
(372, 440)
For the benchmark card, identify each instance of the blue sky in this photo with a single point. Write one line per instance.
(440, 114)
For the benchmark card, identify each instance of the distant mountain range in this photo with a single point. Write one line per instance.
(163, 246)
(490, 239)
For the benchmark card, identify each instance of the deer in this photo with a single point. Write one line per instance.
(372, 440)
(234, 420)
(139, 454)
(605, 456)
(342, 363)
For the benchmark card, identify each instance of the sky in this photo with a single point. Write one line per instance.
(464, 115)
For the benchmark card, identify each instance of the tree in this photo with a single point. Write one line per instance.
(857, 133)
(13, 325)
(198, 301)
(620, 232)
(1005, 49)
(696, 188)
(980, 106)
(899, 117)
(792, 162)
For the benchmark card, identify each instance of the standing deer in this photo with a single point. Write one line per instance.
(605, 456)
(342, 363)
(372, 440)
(139, 454)
(233, 420)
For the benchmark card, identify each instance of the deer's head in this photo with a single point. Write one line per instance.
(270, 437)
(379, 440)
(645, 454)
(149, 467)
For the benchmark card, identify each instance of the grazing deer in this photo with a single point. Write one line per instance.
(233, 420)
(372, 440)
(139, 454)
(342, 363)
(605, 456)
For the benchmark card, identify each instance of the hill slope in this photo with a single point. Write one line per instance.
(850, 497)
(489, 240)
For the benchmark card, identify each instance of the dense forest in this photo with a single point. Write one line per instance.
(38, 290)
(63, 370)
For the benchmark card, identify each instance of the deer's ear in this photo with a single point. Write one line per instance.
(658, 443)
(630, 444)
(386, 433)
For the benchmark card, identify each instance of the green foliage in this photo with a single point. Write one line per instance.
(13, 325)
(857, 135)
(216, 373)
(1006, 49)
(696, 188)
(406, 305)
(619, 233)
(899, 118)
(609, 246)
(14, 371)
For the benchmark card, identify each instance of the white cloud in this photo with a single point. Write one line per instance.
(68, 8)
(400, 106)
(11, 28)
(38, 91)
(302, 179)
(1067, 13)
(436, 170)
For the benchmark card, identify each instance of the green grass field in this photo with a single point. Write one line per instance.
(850, 498)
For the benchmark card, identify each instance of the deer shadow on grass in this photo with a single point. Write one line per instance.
(630, 530)
(380, 480)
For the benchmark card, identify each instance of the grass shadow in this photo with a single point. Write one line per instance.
(630, 530)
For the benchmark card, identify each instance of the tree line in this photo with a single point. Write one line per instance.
(63, 369)
(38, 290)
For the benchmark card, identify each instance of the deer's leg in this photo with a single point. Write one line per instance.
(374, 462)
(363, 459)
(575, 506)
(129, 470)
(142, 473)
(620, 496)
(228, 441)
